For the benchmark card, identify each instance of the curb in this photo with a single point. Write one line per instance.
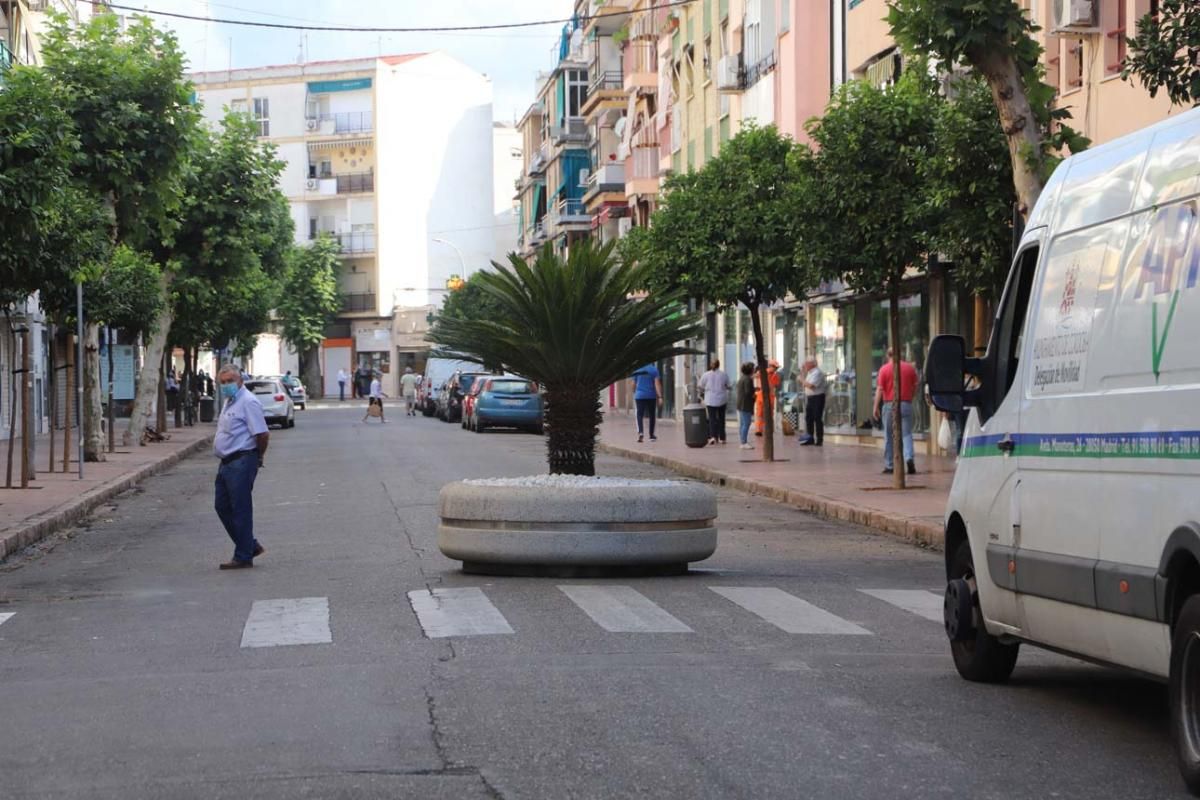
(910, 530)
(40, 526)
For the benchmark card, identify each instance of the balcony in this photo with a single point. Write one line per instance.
(341, 122)
(607, 179)
(605, 17)
(539, 160)
(355, 182)
(357, 302)
(575, 129)
(360, 242)
(570, 212)
(640, 65)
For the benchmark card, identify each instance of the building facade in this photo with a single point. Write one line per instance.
(392, 157)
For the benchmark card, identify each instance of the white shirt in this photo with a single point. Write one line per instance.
(341, 376)
(817, 379)
(376, 388)
(241, 420)
(715, 385)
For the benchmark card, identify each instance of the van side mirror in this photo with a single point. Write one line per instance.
(945, 372)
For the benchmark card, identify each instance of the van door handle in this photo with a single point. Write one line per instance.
(1005, 445)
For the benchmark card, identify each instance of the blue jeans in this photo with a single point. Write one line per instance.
(646, 409)
(341, 390)
(905, 432)
(744, 420)
(235, 503)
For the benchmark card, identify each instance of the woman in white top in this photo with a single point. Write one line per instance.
(714, 388)
(375, 398)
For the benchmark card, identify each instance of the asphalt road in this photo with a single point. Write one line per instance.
(123, 670)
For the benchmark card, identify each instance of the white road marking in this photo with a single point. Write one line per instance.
(788, 613)
(921, 602)
(5, 617)
(457, 612)
(623, 609)
(273, 623)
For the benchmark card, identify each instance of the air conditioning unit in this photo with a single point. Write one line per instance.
(312, 185)
(584, 174)
(729, 73)
(1076, 16)
(312, 124)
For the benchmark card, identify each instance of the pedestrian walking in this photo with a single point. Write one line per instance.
(815, 385)
(408, 390)
(241, 443)
(885, 391)
(714, 390)
(342, 377)
(745, 404)
(647, 395)
(375, 397)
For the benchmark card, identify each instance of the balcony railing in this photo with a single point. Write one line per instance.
(358, 301)
(645, 162)
(361, 242)
(574, 129)
(609, 175)
(605, 80)
(354, 182)
(640, 57)
(343, 122)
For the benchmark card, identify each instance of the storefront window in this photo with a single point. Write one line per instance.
(379, 362)
(729, 355)
(914, 341)
(835, 352)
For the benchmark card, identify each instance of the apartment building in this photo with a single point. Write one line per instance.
(393, 157)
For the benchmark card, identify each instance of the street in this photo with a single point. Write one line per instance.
(806, 659)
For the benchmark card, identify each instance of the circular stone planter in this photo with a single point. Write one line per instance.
(574, 526)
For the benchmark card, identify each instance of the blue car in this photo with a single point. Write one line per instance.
(507, 401)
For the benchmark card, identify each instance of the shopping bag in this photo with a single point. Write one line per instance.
(945, 438)
(374, 410)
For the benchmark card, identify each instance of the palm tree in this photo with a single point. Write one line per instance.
(574, 326)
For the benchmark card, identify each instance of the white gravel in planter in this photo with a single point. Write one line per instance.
(572, 482)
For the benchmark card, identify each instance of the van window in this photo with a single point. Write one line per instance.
(1007, 336)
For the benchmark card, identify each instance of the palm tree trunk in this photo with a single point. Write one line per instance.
(572, 424)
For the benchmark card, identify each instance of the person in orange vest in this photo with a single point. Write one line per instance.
(774, 379)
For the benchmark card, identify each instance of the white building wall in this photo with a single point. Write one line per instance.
(507, 165)
(758, 101)
(434, 176)
(295, 156)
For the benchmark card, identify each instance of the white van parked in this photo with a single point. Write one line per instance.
(437, 372)
(1074, 519)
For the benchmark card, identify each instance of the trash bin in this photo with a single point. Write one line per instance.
(695, 425)
(206, 409)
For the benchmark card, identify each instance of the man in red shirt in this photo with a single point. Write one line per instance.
(885, 390)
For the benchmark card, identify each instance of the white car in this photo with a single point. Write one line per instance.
(295, 389)
(1074, 518)
(277, 404)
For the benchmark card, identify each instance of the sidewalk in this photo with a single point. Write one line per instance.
(27, 515)
(841, 482)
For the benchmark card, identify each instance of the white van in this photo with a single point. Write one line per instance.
(1074, 519)
(437, 372)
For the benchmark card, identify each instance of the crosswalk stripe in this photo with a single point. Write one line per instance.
(623, 609)
(5, 617)
(921, 602)
(787, 612)
(446, 612)
(274, 623)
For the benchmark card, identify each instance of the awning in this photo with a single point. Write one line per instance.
(572, 162)
(338, 144)
(346, 85)
(538, 190)
(885, 71)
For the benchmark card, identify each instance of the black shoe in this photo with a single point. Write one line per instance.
(819, 444)
(912, 467)
(235, 564)
(807, 443)
(887, 470)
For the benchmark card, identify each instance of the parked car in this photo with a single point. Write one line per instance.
(507, 401)
(468, 404)
(437, 372)
(1073, 521)
(450, 399)
(294, 388)
(277, 404)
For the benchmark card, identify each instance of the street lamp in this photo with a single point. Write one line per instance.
(461, 260)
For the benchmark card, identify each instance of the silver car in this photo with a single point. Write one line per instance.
(275, 400)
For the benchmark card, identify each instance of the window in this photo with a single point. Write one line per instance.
(1074, 66)
(752, 36)
(238, 106)
(1053, 45)
(1113, 19)
(785, 16)
(262, 115)
(576, 91)
(710, 66)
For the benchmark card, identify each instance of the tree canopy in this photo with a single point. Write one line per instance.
(469, 301)
(1165, 54)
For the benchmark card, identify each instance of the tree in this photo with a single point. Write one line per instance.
(862, 198)
(995, 38)
(969, 183)
(573, 326)
(130, 106)
(470, 301)
(308, 302)
(725, 234)
(1165, 54)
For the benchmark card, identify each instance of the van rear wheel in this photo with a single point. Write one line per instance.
(1185, 692)
(979, 657)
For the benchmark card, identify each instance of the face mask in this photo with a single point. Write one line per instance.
(228, 390)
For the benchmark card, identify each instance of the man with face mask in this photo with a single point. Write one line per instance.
(240, 443)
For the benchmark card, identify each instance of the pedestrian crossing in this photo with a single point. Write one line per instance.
(275, 623)
(6, 616)
(787, 612)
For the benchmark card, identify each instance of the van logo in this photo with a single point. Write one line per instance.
(1068, 296)
(1170, 264)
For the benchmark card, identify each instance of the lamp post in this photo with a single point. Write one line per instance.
(461, 260)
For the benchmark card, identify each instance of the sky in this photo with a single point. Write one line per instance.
(510, 58)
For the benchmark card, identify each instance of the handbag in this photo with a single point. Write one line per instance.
(374, 410)
(945, 437)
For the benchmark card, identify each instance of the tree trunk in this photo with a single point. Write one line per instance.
(898, 462)
(26, 405)
(148, 377)
(1016, 118)
(68, 396)
(112, 411)
(12, 406)
(760, 352)
(52, 382)
(93, 411)
(160, 405)
(311, 373)
(572, 419)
